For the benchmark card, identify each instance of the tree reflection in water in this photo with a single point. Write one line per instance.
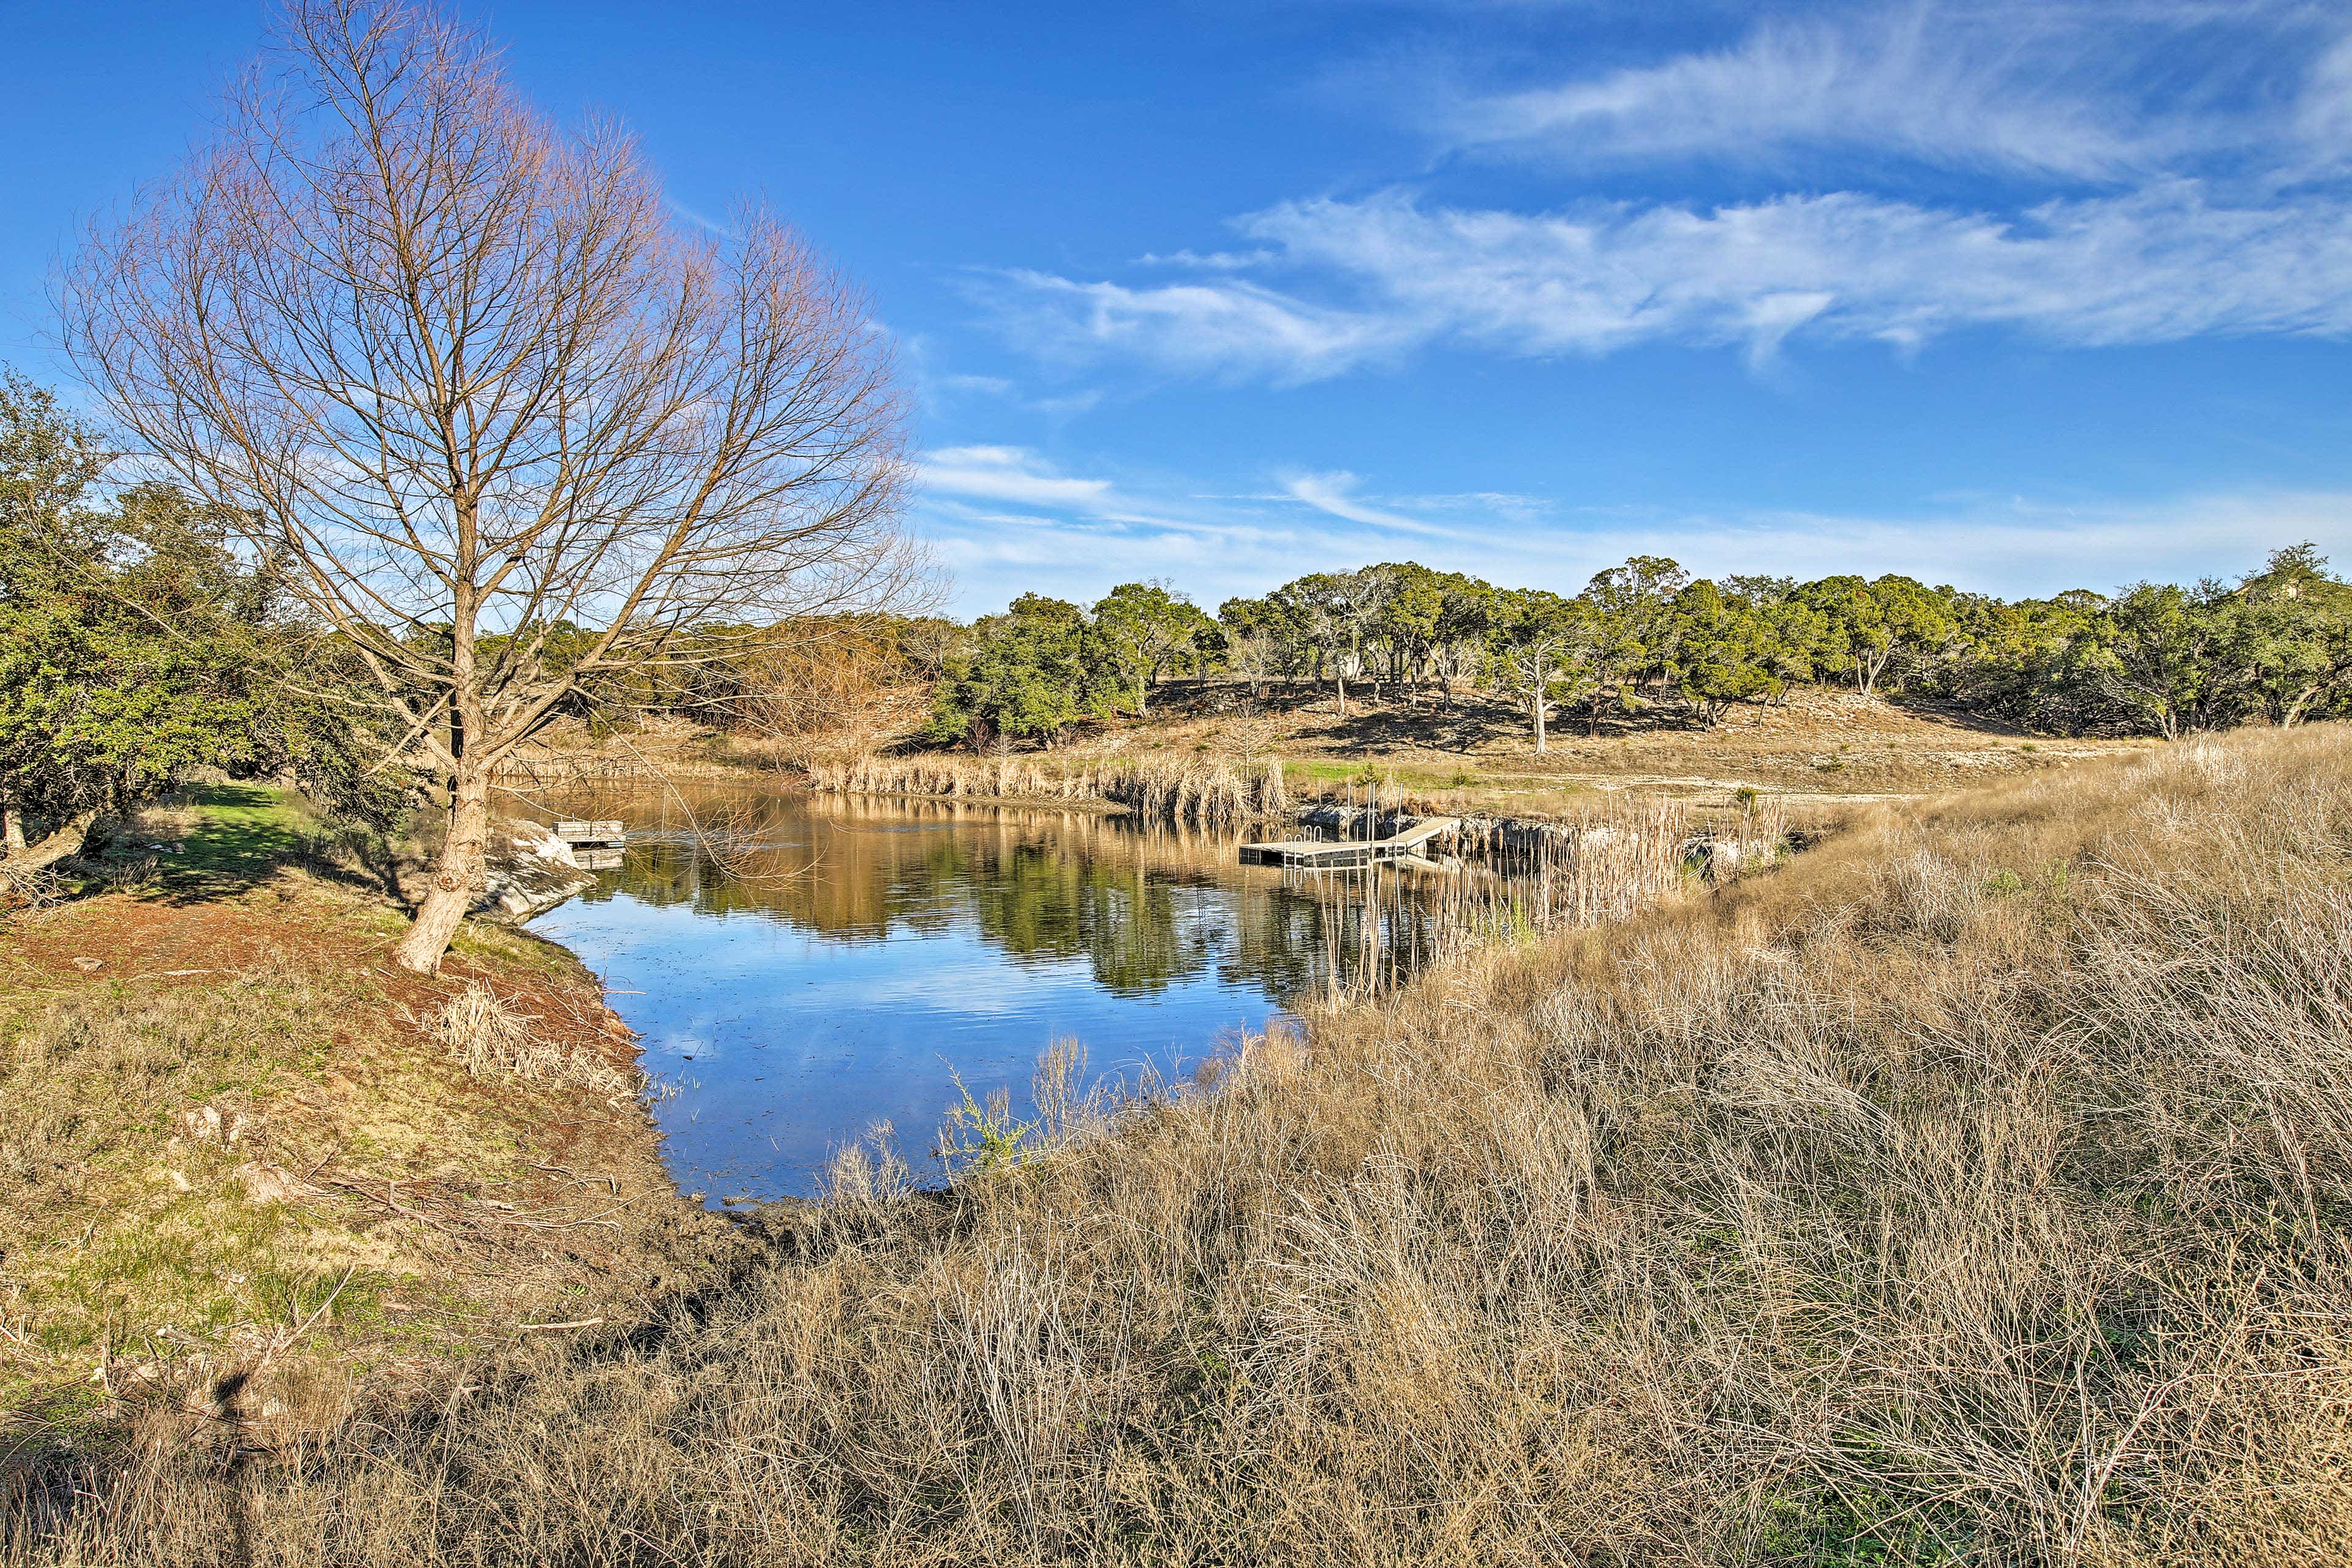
(1144, 907)
(810, 968)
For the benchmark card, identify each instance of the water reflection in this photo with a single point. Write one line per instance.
(827, 969)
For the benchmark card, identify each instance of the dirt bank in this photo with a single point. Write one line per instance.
(240, 1178)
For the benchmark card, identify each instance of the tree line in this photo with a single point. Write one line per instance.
(1647, 639)
(429, 425)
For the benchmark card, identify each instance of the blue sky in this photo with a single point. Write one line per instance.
(2018, 297)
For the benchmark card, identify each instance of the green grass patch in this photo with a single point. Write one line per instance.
(241, 833)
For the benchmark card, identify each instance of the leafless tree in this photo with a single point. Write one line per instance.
(841, 685)
(515, 430)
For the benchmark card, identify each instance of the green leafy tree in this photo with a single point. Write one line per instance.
(2155, 656)
(1334, 612)
(1724, 651)
(1407, 619)
(1458, 647)
(2296, 632)
(1257, 641)
(1026, 675)
(1636, 624)
(136, 646)
(1141, 630)
(1530, 652)
(1875, 626)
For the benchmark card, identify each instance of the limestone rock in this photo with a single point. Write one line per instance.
(530, 871)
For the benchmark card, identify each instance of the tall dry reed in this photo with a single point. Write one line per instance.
(1386, 923)
(1976, 1189)
(1205, 793)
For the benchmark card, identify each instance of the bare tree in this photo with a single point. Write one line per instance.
(515, 431)
(839, 686)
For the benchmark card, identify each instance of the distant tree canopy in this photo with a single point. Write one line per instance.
(1026, 675)
(1646, 639)
(137, 646)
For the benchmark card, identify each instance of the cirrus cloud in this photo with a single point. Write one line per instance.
(1377, 278)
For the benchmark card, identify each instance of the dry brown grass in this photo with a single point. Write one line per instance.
(1820, 746)
(487, 1035)
(1974, 1190)
(1197, 792)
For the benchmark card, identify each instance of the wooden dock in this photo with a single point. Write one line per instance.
(595, 846)
(1350, 854)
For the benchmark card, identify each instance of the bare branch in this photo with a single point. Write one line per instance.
(463, 370)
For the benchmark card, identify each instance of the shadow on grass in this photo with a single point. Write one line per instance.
(242, 835)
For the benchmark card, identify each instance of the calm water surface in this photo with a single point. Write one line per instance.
(829, 979)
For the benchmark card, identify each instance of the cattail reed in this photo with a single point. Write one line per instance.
(1203, 793)
(1384, 923)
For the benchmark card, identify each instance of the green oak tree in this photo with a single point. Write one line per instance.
(1532, 652)
(1142, 631)
(138, 646)
(1026, 675)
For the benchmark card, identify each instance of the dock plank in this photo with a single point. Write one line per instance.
(1347, 855)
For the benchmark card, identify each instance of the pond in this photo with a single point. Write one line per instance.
(840, 961)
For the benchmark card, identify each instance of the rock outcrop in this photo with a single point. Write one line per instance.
(530, 871)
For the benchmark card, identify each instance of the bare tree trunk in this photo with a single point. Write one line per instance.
(1340, 684)
(457, 876)
(1538, 706)
(67, 840)
(461, 370)
(1142, 709)
(12, 829)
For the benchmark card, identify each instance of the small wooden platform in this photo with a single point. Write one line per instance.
(573, 831)
(1348, 855)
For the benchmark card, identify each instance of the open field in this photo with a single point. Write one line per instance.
(1822, 753)
(239, 1182)
(1973, 1189)
(1824, 747)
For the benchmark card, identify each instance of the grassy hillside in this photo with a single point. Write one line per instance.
(1821, 748)
(1976, 1189)
(242, 1184)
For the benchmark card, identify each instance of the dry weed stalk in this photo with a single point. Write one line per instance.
(1203, 793)
(485, 1035)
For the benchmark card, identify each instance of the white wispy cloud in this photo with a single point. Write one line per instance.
(2085, 92)
(1335, 494)
(1231, 327)
(1006, 474)
(2154, 265)
(2153, 170)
